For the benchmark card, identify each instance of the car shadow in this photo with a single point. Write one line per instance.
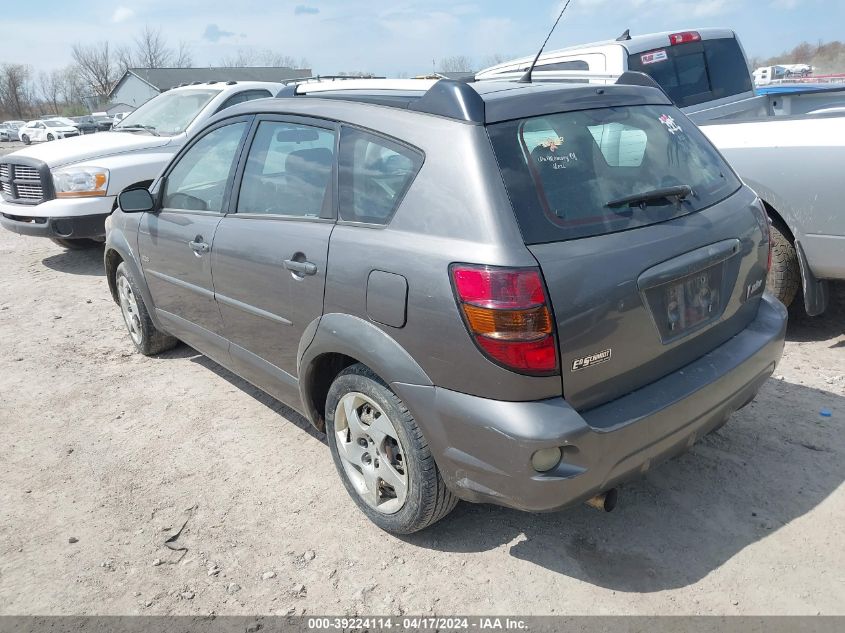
(285, 412)
(687, 517)
(828, 326)
(87, 262)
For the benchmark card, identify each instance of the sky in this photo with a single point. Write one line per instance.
(388, 37)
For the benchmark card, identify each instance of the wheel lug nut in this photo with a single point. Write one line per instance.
(362, 443)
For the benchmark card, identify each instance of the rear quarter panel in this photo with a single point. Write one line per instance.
(457, 210)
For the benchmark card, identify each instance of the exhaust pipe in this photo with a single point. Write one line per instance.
(604, 501)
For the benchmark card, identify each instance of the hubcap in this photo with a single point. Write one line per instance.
(129, 308)
(372, 456)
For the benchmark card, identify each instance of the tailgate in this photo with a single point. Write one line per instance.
(634, 306)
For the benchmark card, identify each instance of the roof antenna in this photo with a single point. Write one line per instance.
(625, 36)
(526, 78)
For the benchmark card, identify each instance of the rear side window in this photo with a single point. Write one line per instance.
(289, 171)
(374, 175)
(243, 97)
(567, 172)
(696, 72)
(577, 64)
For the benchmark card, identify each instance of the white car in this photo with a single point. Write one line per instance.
(119, 117)
(65, 191)
(49, 130)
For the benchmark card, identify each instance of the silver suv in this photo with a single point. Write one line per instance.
(499, 292)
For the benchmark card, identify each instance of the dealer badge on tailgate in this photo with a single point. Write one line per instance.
(588, 361)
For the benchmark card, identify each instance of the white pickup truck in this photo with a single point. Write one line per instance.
(66, 189)
(789, 148)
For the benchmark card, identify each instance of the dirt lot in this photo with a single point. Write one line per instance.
(105, 455)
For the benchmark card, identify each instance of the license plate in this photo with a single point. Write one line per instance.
(692, 301)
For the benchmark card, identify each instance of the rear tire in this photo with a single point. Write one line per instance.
(359, 394)
(147, 338)
(77, 244)
(785, 276)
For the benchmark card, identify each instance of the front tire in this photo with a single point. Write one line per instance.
(25, 139)
(50, 137)
(785, 276)
(80, 244)
(147, 338)
(381, 454)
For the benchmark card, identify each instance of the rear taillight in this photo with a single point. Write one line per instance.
(684, 38)
(506, 311)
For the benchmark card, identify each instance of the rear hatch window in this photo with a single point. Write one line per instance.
(593, 172)
(696, 72)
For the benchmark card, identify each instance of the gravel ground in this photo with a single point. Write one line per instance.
(7, 147)
(106, 454)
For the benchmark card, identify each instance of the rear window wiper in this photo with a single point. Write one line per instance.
(679, 192)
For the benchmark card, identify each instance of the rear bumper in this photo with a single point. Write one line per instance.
(483, 448)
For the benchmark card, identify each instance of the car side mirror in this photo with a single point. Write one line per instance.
(136, 201)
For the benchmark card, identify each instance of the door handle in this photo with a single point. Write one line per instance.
(198, 246)
(301, 268)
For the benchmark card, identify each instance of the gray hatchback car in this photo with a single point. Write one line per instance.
(521, 294)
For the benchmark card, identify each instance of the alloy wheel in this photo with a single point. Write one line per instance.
(371, 453)
(129, 309)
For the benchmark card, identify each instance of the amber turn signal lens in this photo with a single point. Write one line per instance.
(509, 324)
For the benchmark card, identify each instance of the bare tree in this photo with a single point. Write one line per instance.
(183, 57)
(51, 89)
(124, 58)
(261, 57)
(96, 66)
(15, 93)
(151, 50)
(494, 60)
(455, 64)
(355, 73)
(73, 86)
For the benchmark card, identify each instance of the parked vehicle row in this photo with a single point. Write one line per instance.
(9, 130)
(787, 147)
(47, 130)
(496, 292)
(65, 191)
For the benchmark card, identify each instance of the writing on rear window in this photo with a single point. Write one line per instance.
(563, 171)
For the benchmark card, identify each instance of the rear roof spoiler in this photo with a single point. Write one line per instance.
(458, 100)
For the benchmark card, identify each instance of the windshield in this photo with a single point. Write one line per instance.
(696, 72)
(55, 124)
(169, 113)
(578, 174)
